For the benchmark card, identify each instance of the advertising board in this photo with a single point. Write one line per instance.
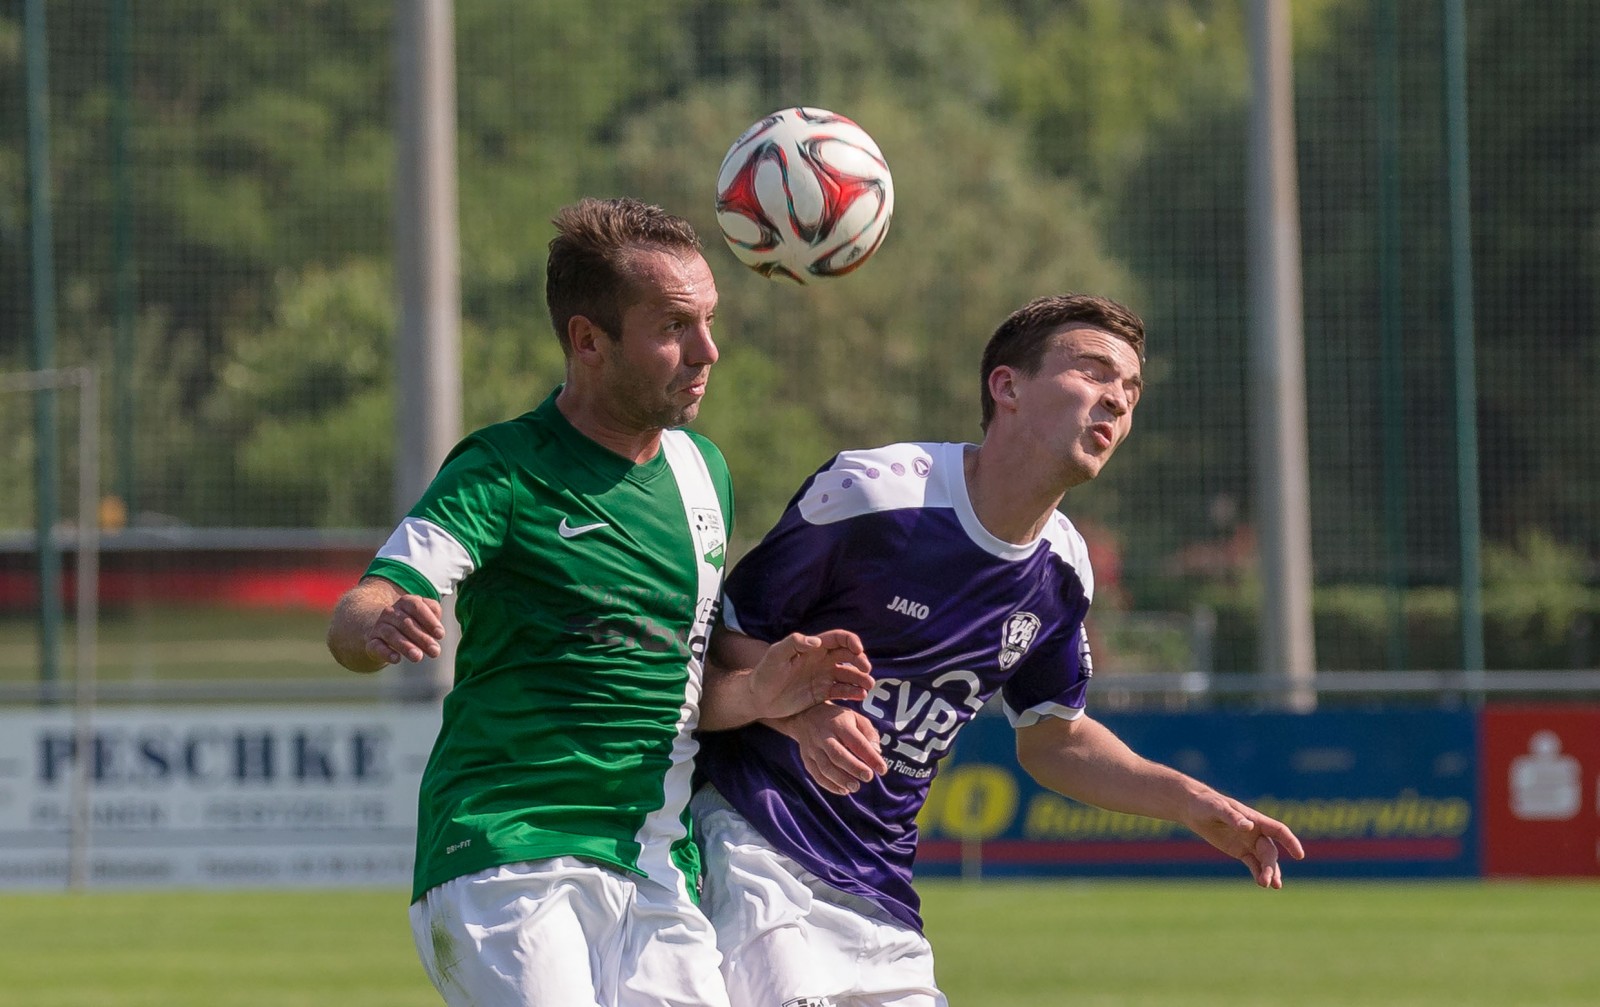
(1369, 793)
(1541, 790)
(215, 796)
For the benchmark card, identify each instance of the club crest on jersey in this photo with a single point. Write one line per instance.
(1016, 637)
(709, 534)
(810, 1002)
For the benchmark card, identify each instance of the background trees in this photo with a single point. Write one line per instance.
(1036, 147)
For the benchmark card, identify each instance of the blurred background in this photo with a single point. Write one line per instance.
(219, 244)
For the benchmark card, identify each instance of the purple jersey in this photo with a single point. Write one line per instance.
(885, 542)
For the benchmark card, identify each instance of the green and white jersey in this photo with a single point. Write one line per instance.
(587, 585)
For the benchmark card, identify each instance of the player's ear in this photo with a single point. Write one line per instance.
(585, 337)
(1003, 387)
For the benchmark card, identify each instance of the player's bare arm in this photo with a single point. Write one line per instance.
(748, 680)
(376, 624)
(838, 746)
(1084, 760)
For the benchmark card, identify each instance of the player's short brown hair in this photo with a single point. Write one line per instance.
(1022, 340)
(588, 271)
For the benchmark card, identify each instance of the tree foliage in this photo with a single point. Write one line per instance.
(1036, 147)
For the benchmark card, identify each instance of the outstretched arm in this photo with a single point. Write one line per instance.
(376, 624)
(1084, 760)
(747, 680)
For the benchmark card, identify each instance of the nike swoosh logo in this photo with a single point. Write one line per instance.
(568, 531)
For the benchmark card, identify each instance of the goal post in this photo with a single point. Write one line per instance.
(88, 588)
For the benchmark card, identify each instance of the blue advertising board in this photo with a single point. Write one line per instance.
(1382, 793)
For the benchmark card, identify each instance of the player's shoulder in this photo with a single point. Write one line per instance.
(522, 443)
(1067, 544)
(870, 480)
(527, 432)
(497, 441)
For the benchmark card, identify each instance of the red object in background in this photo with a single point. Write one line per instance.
(1540, 789)
(306, 579)
(310, 589)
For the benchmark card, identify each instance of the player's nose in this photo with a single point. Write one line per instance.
(1115, 399)
(700, 350)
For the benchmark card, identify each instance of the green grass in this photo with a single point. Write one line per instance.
(998, 944)
(1096, 944)
(224, 949)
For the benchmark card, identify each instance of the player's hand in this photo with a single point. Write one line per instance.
(800, 671)
(409, 628)
(838, 746)
(1246, 835)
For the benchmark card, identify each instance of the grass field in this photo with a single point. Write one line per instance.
(1086, 944)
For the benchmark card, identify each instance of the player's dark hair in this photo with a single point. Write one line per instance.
(1023, 339)
(588, 272)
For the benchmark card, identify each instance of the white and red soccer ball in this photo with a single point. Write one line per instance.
(804, 194)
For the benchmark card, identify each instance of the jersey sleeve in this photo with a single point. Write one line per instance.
(459, 523)
(777, 584)
(1052, 682)
(1052, 679)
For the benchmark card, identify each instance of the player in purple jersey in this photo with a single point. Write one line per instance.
(953, 566)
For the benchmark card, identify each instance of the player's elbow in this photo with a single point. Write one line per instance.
(351, 658)
(347, 642)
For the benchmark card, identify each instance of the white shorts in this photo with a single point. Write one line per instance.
(565, 933)
(790, 940)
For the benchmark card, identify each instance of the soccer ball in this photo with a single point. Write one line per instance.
(804, 193)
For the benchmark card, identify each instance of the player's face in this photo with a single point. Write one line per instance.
(657, 373)
(1079, 407)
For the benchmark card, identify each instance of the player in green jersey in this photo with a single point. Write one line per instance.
(586, 541)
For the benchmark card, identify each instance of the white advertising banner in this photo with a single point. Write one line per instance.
(216, 796)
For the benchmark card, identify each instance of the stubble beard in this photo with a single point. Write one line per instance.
(665, 414)
(650, 408)
(680, 417)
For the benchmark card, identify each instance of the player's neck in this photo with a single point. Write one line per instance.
(1012, 500)
(593, 422)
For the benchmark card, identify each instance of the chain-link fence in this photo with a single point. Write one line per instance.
(220, 182)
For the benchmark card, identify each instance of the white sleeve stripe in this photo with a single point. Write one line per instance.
(1033, 714)
(431, 551)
